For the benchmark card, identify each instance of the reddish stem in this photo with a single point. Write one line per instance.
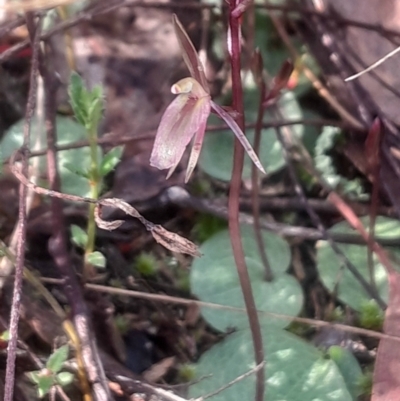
(233, 204)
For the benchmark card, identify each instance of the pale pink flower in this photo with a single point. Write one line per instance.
(186, 117)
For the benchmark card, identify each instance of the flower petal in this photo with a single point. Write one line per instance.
(189, 54)
(239, 135)
(170, 141)
(196, 148)
(171, 170)
(182, 118)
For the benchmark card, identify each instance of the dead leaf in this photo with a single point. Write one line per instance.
(174, 242)
(169, 240)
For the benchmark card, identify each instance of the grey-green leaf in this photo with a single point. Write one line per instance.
(57, 358)
(76, 170)
(295, 370)
(78, 98)
(349, 368)
(34, 376)
(79, 236)
(339, 279)
(214, 279)
(97, 259)
(64, 378)
(110, 160)
(44, 385)
(68, 131)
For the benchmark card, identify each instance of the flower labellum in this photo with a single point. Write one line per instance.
(185, 118)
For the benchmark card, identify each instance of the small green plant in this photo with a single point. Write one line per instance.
(186, 373)
(146, 264)
(5, 336)
(88, 108)
(52, 374)
(371, 316)
(365, 383)
(323, 162)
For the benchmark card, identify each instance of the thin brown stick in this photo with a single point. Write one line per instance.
(106, 140)
(169, 240)
(34, 31)
(180, 197)
(187, 302)
(232, 382)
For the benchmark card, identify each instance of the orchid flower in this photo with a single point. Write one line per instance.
(186, 117)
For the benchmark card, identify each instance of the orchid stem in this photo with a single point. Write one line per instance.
(233, 204)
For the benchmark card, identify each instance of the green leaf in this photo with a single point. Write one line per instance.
(295, 370)
(110, 160)
(64, 378)
(214, 279)
(44, 385)
(349, 368)
(324, 163)
(78, 171)
(34, 376)
(79, 98)
(79, 236)
(339, 279)
(217, 151)
(5, 335)
(96, 259)
(95, 111)
(87, 105)
(57, 358)
(68, 131)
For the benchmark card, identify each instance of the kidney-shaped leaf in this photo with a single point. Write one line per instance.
(295, 370)
(68, 131)
(338, 278)
(214, 279)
